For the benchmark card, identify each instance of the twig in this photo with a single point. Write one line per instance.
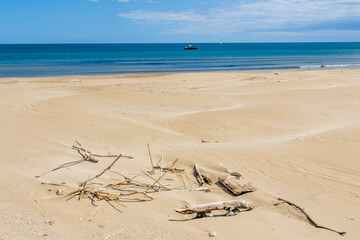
(201, 177)
(88, 153)
(188, 180)
(96, 210)
(182, 179)
(155, 180)
(106, 169)
(151, 161)
(161, 176)
(161, 166)
(62, 166)
(201, 189)
(198, 175)
(312, 222)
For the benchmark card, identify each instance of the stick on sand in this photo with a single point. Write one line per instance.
(312, 222)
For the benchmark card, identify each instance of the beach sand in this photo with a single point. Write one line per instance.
(292, 134)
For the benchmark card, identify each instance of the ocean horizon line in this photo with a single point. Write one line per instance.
(26, 60)
(222, 42)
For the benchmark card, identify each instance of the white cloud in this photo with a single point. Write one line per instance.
(260, 15)
(93, 0)
(140, 15)
(123, 0)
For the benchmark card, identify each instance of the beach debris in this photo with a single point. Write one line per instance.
(208, 141)
(86, 156)
(311, 221)
(212, 234)
(234, 186)
(115, 191)
(151, 161)
(59, 191)
(232, 173)
(201, 189)
(201, 178)
(95, 211)
(205, 209)
(106, 169)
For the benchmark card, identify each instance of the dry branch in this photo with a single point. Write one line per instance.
(226, 205)
(235, 187)
(86, 156)
(106, 169)
(161, 176)
(202, 189)
(151, 161)
(312, 222)
(198, 175)
(201, 177)
(155, 180)
(95, 212)
(62, 166)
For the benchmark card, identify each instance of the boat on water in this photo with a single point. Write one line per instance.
(190, 47)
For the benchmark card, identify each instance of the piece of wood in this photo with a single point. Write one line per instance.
(225, 205)
(106, 169)
(235, 187)
(201, 189)
(151, 161)
(160, 184)
(312, 222)
(201, 177)
(95, 212)
(232, 173)
(161, 176)
(198, 175)
(62, 166)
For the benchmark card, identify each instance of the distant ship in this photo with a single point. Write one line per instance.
(191, 47)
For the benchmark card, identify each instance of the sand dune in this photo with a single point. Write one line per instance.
(295, 135)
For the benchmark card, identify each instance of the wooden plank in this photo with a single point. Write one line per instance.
(234, 186)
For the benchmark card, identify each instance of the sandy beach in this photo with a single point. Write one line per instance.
(292, 134)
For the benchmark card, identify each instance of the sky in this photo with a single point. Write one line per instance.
(170, 21)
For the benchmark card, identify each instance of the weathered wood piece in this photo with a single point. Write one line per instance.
(106, 169)
(225, 205)
(232, 173)
(312, 222)
(235, 187)
(201, 177)
(201, 189)
(151, 161)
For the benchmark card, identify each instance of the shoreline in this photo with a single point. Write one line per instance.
(187, 72)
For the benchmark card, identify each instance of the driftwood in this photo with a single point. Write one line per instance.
(86, 156)
(115, 190)
(312, 222)
(201, 177)
(161, 176)
(235, 187)
(151, 161)
(201, 189)
(232, 173)
(106, 169)
(230, 206)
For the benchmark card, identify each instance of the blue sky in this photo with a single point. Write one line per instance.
(148, 21)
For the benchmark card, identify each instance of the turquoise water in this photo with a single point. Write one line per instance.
(100, 59)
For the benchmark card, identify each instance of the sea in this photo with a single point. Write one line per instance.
(43, 60)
